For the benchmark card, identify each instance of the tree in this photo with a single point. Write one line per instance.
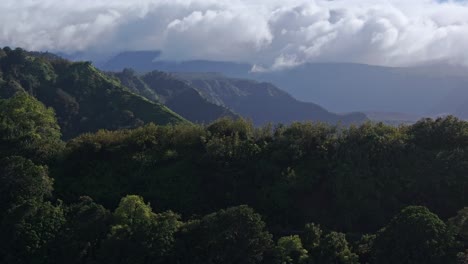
(459, 224)
(363, 248)
(311, 237)
(415, 235)
(234, 235)
(28, 129)
(138, 235)
(20, 181)
(335, 249)
(290, 250)
(27, 232)
(87, 225)
(462, 257)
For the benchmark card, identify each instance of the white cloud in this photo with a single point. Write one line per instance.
(273, 33)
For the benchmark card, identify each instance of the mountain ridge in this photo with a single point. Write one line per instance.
(262, 102)
(84, 99)
(349, 87)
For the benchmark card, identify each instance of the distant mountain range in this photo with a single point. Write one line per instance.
(344, 87)
(262, 102)
(428, 90)
(146, 61)
(393, 118)
(204, 97)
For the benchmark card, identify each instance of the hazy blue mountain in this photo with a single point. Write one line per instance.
(138, 60)
(393, 118)
(455, 103)
(425, 90)
(262, 102)
(146, 61)
(345, 87)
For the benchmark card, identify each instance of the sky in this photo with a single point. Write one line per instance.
(273, 34)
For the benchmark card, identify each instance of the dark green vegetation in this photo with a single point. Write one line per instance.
(174, 93)
(84, 99)
(239, 194)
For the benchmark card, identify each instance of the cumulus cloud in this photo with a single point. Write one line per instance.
(272, 33)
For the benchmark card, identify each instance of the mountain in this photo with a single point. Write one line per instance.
(137, 60)
(260, 101)
(345, 87)
(393, 118)
(174, 93)
(146, 61)
(427, 90)
(130, 79)
(84, 99)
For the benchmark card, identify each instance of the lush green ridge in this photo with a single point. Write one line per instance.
(84, 99)
(180, 97)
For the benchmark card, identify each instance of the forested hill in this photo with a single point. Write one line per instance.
(174, 93)
(262, 102)
(230, 193)
(84, 98)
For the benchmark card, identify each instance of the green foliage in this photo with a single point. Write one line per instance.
(183, 98)
(20, 181)
(27, 232)
(290, 251)
(441, 133)
(311, 237)
(84, 99)
(154, 155)
(335, 249)
(132, 210)
(459, 224)
(28, 128)
(138, 235)
(226, 127)
(131, 80)
(414, 236)
(352, 179)
(462, 257)
(87, 224)
(234, 235)
(363, 248)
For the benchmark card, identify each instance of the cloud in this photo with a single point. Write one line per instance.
(275, 34)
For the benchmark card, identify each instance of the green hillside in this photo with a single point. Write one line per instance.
(174, 93)
(84, 98)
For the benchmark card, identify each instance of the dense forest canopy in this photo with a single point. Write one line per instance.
(225, 192)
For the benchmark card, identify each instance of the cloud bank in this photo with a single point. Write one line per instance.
(272, 33)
